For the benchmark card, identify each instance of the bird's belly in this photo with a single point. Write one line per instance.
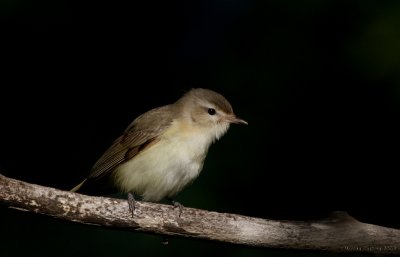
(160, 171)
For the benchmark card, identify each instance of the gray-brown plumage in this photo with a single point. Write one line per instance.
(163, 150)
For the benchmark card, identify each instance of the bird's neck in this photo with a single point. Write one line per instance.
(190, 133)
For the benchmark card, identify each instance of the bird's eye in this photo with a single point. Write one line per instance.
(211, 111)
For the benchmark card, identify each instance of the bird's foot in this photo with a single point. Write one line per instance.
(177, 205)
(132, 203)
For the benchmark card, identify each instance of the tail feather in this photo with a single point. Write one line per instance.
(76, 188)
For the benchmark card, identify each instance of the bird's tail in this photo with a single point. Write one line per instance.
(78, 186)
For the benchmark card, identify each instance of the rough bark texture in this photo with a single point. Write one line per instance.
(340, 232)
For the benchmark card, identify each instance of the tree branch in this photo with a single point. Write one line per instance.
(340, 232)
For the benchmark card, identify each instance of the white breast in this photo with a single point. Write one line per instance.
(166, 167)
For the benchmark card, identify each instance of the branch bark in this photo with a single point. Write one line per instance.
(339, 232)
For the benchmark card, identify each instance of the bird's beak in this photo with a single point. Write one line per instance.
(236, 120)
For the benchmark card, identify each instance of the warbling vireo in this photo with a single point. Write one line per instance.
(163, 150)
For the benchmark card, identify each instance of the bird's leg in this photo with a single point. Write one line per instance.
(132, 203)
(177, 205)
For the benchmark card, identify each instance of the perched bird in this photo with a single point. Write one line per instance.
(163, 150)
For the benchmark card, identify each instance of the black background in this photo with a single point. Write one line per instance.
(318, 82)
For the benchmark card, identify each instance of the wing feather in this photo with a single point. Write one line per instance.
(140, 134)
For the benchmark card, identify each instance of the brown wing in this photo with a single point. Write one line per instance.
(141, 133)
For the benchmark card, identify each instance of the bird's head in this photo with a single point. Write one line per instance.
(209, 111)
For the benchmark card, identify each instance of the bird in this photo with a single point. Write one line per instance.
(163, 150)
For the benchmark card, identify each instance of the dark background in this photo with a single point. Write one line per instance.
(318, 82)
